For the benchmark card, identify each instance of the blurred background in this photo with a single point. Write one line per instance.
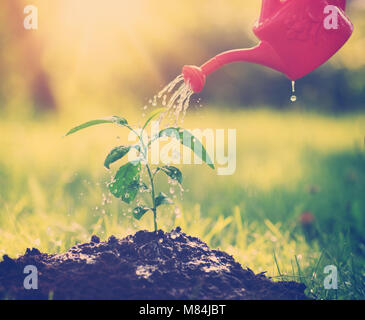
(108, 52)
(296, 201)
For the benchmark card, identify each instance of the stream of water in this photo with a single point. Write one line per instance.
(175, 97)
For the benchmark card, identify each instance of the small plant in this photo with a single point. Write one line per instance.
(128, 181)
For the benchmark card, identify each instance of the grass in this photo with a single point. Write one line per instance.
(53, 192)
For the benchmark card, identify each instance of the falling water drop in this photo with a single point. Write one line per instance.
(175, 97)
(177, 212)
(293, 98)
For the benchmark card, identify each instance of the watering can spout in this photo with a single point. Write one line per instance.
(262, 54)
(294, 40)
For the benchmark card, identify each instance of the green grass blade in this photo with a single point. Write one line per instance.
(277, 265)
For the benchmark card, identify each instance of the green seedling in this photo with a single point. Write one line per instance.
(128, 181)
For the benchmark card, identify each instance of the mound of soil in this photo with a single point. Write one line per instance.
(147, 265)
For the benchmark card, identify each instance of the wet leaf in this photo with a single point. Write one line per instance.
(113, 119)
(188, 140)
(115, 155)
(143, 186)
(161, 199)
(140, 211)
(126, 182)
(173, 172)
(140, 185)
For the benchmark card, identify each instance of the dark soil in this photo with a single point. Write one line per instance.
(144, 266)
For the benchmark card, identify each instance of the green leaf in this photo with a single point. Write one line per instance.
(114, 119)
(140, 211)
(188, 140)
(162, 199)
(116, 154)
(137, 147)
(153, 115)
(140, 185)
(173, 172)
(126, 182)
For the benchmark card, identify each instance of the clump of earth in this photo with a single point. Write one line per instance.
(144, 266)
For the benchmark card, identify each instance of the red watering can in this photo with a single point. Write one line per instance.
(294, 40)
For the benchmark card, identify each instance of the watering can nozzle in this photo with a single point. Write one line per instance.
(293, 40)
(195, 77)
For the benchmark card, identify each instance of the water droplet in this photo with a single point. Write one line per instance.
(293, 98)
(176, 98)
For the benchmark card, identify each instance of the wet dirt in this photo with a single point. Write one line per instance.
(146, 265)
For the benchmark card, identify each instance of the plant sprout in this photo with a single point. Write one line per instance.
(127, 182)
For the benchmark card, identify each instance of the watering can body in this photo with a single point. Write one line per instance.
(293, 40)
